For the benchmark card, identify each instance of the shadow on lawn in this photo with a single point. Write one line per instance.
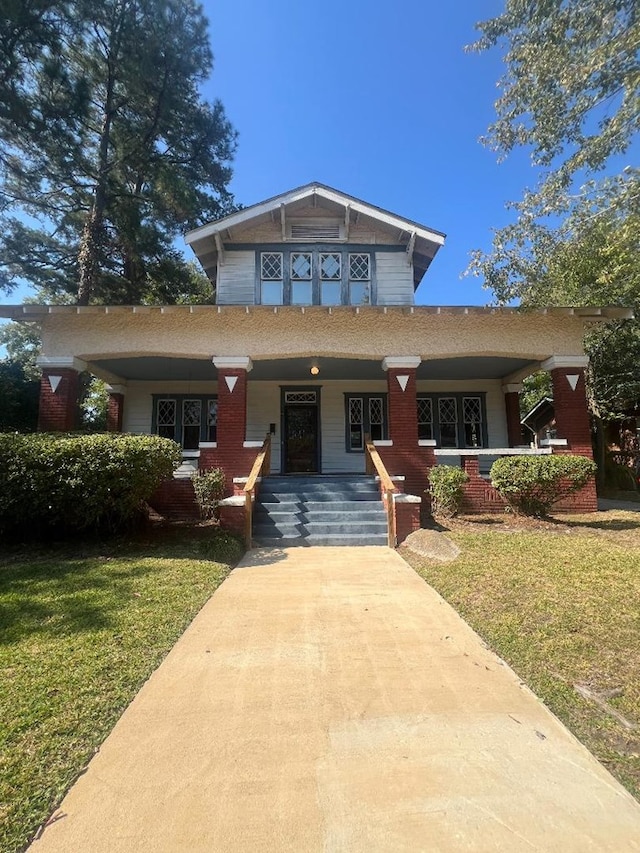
(62, 596)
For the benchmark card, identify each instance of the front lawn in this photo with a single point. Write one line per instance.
(81, 628)
(560, 602)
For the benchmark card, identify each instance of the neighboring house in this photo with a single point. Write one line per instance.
(315, 338)
(540, 422)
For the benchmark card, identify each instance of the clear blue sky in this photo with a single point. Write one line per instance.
(373, 98)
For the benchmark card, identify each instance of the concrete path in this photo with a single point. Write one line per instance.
(328, 700)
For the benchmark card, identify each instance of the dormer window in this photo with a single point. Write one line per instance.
(359, 278)
(271, 278)
(309, 276)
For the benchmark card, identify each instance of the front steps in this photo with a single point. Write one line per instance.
(319, 510)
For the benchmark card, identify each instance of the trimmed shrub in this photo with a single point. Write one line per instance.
(445, 487)
(532, 484)
(208, 487)
(63, 482)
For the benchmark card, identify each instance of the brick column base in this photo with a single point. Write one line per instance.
(407, 510)
(115, 409)
(58, 410)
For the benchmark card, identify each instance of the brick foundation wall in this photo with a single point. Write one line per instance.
(58, 410)
(175, 499)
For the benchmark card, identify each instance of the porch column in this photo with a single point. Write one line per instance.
(512, 407)
(59, 389)
(570, 401)
(403, 421)
(230, 453)
(115, 407)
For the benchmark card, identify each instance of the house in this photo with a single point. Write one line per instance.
(315, 339)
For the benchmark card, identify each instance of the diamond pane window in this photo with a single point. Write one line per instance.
(300, 397)
(356, 426)
(376, 419)
(472, 417)
(425, 418)
(359, 267)
(300, 266)
(212, 420)
(271, 266)
(448, 417)
(166, 419)
(330, 267)
(191, 412)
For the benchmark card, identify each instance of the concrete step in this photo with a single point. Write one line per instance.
(319, 510)
(338, 540)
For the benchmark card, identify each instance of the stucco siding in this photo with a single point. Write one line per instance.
(394, 279)
(262, 332)
(236, 279)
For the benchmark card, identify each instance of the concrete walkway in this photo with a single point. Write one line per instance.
(328, 700)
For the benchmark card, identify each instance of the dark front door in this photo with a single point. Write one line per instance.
(300, 439)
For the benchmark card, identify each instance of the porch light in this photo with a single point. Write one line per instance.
(315, 370)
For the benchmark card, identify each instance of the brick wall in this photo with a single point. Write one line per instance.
(175, 499)
(512, 409)
(58, 410)
(115, 410)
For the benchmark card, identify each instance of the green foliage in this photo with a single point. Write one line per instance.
(532, 484)
(19, 395)
(54, 483)
(108, 149)
(570, 88)
(446, 488)
(209, 489)
(534, 388)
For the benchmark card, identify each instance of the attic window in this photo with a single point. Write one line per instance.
(316, 231)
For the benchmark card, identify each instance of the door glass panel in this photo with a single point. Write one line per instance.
(212, 420)
(191, 414)
(301, 439)
(376, 418)
(448, 417)
(356, 425)
(166, 419)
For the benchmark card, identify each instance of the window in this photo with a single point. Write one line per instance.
(308, 276)
(271, 278)
(453, 420)
(330, 278)
(185, 419)
(301, 285)
(359, 278)
(366, 414)
(425, 418)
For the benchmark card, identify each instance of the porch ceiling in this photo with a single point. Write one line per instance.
(156, 368)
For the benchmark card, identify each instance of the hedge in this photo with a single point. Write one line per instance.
(70, 482)
(446, 484)
(532, 484)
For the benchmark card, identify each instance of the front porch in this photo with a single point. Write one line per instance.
(426, 384)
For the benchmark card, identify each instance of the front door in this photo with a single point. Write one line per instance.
(300, 439)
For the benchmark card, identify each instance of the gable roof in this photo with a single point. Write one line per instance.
(422, 242)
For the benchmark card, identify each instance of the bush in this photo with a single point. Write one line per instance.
(445, 487)
(63, 482)
(532, 484)
(209, 489)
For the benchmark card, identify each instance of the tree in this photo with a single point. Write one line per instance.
(571, 95)
(94, 199)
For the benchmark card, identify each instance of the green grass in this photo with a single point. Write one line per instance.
(561, 606)
(81, 629)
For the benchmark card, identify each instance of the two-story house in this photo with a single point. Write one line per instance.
(315, 339)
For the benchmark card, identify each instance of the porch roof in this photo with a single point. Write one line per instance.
(592, 313)
(155, 368)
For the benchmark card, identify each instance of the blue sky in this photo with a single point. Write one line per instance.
(376, 99)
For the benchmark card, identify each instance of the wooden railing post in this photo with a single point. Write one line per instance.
(373, 462)
(262, 463)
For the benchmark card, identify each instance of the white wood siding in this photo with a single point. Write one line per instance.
(237, 279)
(395, 278)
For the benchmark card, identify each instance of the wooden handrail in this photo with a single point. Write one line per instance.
(262, 462)
(373, 462)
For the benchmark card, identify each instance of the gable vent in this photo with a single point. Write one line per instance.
(315, 232)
